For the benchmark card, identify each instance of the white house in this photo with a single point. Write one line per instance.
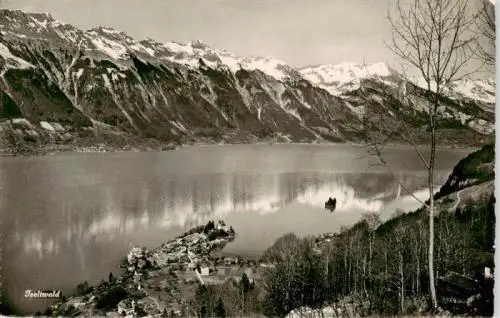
(76, 302)
(204, 271)
(487, 273)
(126, 307)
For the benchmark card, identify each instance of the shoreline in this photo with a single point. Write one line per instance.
(55, 149)
(51, 150)
(352, 144)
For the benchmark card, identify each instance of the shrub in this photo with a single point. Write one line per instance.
(111, 298)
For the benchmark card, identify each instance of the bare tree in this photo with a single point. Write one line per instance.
(486, 26)
(435, 37)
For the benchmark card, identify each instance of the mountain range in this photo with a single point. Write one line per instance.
(60, 85)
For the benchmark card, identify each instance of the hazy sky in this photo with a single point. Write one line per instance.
(299, 32)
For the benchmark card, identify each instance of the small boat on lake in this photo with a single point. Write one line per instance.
(331, 204)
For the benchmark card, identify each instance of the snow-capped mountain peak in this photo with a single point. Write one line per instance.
(479, 90)
(20, 24)
(109, 30)
(108, 43)
(190, 54)
(345, 72)
(345, 76)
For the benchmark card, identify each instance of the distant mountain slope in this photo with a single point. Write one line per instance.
(476, 168)
(102, 80)
(345, 77)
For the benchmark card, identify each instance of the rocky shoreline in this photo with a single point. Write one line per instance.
(20, 137)
(148, 147)
(49, 150)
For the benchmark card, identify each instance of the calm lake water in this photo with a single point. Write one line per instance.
(71, 217)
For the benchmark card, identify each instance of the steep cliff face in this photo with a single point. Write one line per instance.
(102, 80)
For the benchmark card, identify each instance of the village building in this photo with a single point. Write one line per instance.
(76, 302)
(204, 271)
(126, 307)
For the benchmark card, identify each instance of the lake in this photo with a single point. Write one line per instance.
(71, 217)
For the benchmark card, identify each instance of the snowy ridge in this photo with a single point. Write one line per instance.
(191, 53)
(479, 90)
(345, 72)
(12, 60)
(346, 76)
(116, 45)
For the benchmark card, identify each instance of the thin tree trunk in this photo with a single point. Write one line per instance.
(243, 299)
(356, 275)
(321, 313)
(431, 208)
(287, 293)
(418, 272)
(364, 276)
(345, 271)
(434, 37)
(370, 257)
(402, 283)
(413, 279)
(463, 259)
(386, 269)
(349, 288)
(302, 291)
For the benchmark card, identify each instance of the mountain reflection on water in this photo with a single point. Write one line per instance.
(180, 203)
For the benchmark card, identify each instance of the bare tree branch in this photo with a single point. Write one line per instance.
(486, 27)
(436, 38)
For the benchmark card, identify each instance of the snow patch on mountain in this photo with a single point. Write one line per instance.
(479, 90)
(269, 66)
(12, 60)
(360, 111)
(142, 48)
(190, 53)
(110, 30)
(113, 49)
(482, 126)
(345, 72)
(40, 24)
(346, 76)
